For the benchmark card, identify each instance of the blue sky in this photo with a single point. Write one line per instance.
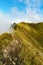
(5, 5)
(21, 10)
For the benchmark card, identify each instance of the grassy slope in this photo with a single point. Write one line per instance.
(31, 35)
(29, 47)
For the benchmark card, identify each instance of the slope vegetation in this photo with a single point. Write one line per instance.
(24, 46)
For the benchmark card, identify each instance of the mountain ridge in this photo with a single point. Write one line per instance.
(24, 43)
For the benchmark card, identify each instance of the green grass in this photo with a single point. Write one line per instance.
(25, 43)
(31, 35)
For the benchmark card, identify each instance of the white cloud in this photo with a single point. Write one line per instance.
(4, 22)
(32, 11)
(32, 14)
(20, 0)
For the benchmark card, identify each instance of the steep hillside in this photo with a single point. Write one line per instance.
(24, 46)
